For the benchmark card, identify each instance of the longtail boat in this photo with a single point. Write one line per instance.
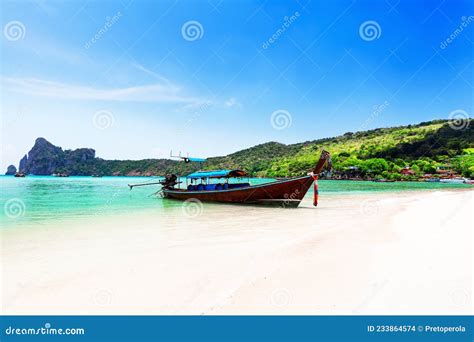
(214, 186)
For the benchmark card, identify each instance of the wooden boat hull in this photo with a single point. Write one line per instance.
(284, 193)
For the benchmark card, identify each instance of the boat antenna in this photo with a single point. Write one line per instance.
(187, 159)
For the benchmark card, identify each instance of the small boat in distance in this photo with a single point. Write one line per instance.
(20, 174)
(456, 180)
(214, 186)
(59, 174)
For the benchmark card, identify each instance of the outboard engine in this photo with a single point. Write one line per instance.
(169, 182)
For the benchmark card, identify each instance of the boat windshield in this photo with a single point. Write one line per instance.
(216, 180)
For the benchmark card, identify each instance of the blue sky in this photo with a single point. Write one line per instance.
(134, 79)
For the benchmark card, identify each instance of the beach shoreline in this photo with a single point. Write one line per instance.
(375, 253)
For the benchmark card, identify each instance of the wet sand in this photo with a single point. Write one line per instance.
(387, 253)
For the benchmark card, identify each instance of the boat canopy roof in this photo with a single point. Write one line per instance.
(198, 160)
(217, 174)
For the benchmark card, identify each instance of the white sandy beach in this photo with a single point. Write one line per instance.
(404, 253)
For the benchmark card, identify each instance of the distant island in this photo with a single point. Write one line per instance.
(397, 153)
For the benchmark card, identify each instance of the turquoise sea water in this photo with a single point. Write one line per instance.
(40, 198)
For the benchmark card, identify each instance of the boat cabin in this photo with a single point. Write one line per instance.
(215, 180)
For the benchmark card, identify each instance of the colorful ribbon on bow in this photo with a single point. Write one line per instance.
(316, 193)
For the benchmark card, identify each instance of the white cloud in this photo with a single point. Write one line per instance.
(144, 93)
(232, 102)
(196, 106)
(151, 73)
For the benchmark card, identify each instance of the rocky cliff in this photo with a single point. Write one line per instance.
(45, 159)
(11, 170)
(22, 166)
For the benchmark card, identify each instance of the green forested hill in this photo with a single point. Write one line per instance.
(378, 153)
(381, 152)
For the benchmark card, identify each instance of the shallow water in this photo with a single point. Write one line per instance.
(42, 198)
